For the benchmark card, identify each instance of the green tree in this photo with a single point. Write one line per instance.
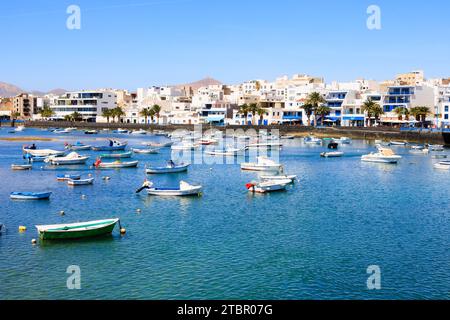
(76, 116)
(420, 113)
(309, 109)
(261, 112)
(46, 112)
(244, 110)
(68, 117)
(107, 113)
(118, 112)
(253, 108)
(323, 111)
(157, 109)
(151, 114)
(372, 109)
(315, 99)
(144, 113)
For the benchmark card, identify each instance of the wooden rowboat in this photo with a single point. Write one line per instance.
(76, 230)
(30, 195)
(80, 182)
(21, 166)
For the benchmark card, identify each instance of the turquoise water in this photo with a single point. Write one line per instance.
(314, 241)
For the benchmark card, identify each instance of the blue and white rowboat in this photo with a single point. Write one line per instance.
(30, 195)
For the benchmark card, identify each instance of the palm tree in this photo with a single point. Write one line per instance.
(107, 113)
(68, 117)
(253, 108)
(400, 111)
(244, 110)
(261, 112)
(377, 111)
(47, 112)
(76, 116)
(151, 114)
(118, 112)
(369, 108)
(309, 109)
(420, 113)
(315, 99)
(323, 111)
(157, 109)
(15, 115)
(144, 113)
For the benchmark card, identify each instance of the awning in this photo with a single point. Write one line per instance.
(354, 118)
(333, 118)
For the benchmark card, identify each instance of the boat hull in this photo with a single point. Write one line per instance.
(79, 182)
(21, 167)
(132, 164)
(254, 167)
(30, 196)
(116, 156)
(107, 148)
(91, 230)
(166, 170)
(195, 191)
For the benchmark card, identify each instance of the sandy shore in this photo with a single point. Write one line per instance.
(27, 139)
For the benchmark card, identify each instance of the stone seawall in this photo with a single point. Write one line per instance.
(381, 133)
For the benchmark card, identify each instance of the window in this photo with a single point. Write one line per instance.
(446, 116)
(446, 109)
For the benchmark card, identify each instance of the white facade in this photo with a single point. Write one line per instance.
(90, 104)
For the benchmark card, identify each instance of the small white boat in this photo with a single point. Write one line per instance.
(80, 182)
(280, 177)
(115, 165)
(91, 132)
(398, 143)
(30, 195)
(71, 159)
(345, 140)
(78, 146)
(185, 189)
(443, 165)
(268, 145)
(384, 155)
(419, 151)
(21, 166)
(120, 130)
(19, 129)
(145, 151)
(439, 156)
(207, 141)
(158, 145)
(170, 168)
(66, 177)
(227, 152)
(312, 140)
(436, 147)
(287, 137)
(262, 164)
(141, 131)
(268, 186)
(185, 146)
(336, 154)
(43, 152)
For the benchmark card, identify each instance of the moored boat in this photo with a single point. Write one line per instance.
(170, 168)
(116, 155)
(77, 146)
(115, 165)
(145, 151)
(77, 230)
(227, 152)
(21, 166)
(268, 186)
(336, 154)
(80, 182)
(185, 146)
(71, 159)
(398, 143)
(443, 165)
(30, 195)
(436, 147)
(141, 131)
(262, 164)
(312, 140)
(114, 145)
(91, 132)
(65, 177)
(159, 144)
(279, 177)
(43, 152)
(185, 189)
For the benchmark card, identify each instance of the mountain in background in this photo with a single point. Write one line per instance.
(201, 83)
(9, 90)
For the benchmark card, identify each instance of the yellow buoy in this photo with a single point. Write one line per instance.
(22, 229)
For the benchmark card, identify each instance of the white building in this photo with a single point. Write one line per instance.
(90, 104)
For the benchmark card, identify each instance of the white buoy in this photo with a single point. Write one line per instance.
(33, 241)
(138, 210)
(62, 212)
(83, 196)
(123, 231)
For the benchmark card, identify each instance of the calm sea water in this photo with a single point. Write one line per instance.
(314, 241)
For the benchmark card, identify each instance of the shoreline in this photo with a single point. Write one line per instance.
(370, 133)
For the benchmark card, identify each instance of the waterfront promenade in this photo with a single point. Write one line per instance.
(382, 133)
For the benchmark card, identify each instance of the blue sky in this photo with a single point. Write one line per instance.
(136, 43)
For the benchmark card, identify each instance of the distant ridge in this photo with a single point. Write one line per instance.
(200, 83)
(9, 90)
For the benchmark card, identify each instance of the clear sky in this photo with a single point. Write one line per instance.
(138, 43)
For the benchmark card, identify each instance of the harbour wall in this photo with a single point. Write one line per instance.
(372, 133)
